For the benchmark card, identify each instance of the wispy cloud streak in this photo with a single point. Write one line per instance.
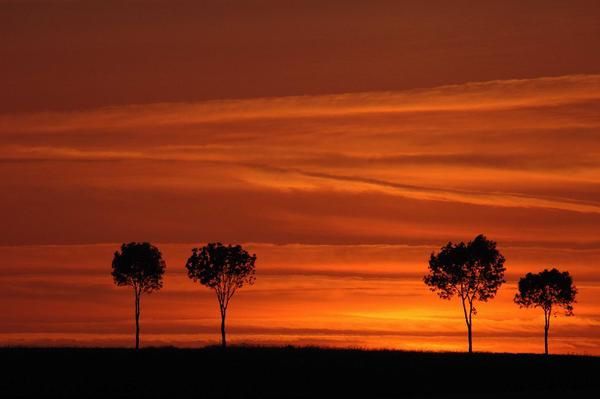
(474, 97)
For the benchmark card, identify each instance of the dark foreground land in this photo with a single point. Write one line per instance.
(249, 372)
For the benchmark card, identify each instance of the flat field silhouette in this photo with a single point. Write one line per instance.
(289, 372)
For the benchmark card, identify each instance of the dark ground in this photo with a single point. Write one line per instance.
(248, 372)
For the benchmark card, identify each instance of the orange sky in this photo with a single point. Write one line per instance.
(341, 142)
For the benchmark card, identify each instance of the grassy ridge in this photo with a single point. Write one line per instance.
(258, 372)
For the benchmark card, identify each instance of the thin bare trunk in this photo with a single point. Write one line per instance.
(468, 322)
(137, 320)
(470, 338)
(223, 338)
(547, 314)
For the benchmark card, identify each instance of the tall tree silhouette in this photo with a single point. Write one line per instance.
(139, 265)
(225, 269)
(473, 272)
(547, 290)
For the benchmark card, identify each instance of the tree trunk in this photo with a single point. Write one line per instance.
(546, 340)
(547, 315)
(137, 321)
(468, 321)
(469, 328)
(223, 339)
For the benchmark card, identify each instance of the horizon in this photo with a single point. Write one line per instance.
(340, 142)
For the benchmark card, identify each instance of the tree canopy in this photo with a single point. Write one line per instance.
(224, 268)
(140, 265)
(546, 290)
(474, 271)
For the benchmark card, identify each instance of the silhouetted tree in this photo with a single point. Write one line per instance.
(546, 290)
(139, 265)
(224, 269)
(473, 272)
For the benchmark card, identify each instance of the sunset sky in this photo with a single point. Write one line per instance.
(341, 141)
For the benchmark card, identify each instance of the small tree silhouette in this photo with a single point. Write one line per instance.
(545, 290)
(139, 265)
(224, 269)
(474, 272)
